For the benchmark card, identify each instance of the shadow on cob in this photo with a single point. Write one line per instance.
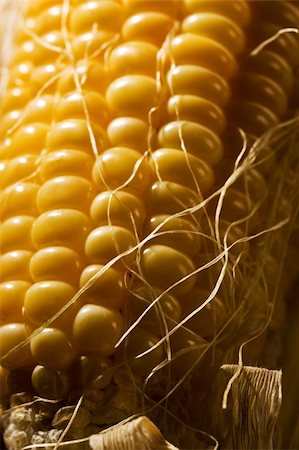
(149, 197)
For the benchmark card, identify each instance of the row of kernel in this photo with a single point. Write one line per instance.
(94, 323)
(198, 90)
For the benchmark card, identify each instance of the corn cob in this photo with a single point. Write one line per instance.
(63, 209)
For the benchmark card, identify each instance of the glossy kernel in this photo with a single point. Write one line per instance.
(189, 48)
(46, 298)
(16, 233)
(132, 95)
(196, 109)
(18, 199)
(149, 26)
(107, 242)
(120, 208)
(65, 192)
(197, 140)
(105, 14)
(121, 167)
(49, 383)
(133, 57)
(12, 335)
(129, 132)
(31, 137)
(107, 289)
(236, 10)
(180, 234)
(39, 109)
(97, 329)
(74, 133)
(66, 162)
(12, 294)
(14, 265)
(183, 168)
(52, 349)
(170, 7)
(170, 198)
(55, 263)
(216, 27)
(75, 104)
(163, 266)
(66, 227)
(89, 73)
(188, 79)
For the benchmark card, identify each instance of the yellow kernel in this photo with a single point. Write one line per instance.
(92, 44)
(33, 9)
(73, 105)
(19, 168)
(65, 192)
(120, 208)
(15, 98)
(108, 289)
(95, 371)
(129, 132)
(18, 199)
(170, 198)
(15, 265)
(12, 294)
(97, 329)
(52, 349)
(196, 80)
(196, 109)
(20, 73)
(133, 57)
(106, 242)
(89, 73)
(65, 227)
(185, 169)
(74, 133)
(45, 77)
(170, 7)
(132, 95)
(50, 263)
(31, 137)
(189, 48)
(164, 266)
(121, 167)
(149, 26)
(178, 233)
(16, 233)
(197, 140)
(49, 383)
(236, 10)
(105, 15)
(8, 120)
(12, 335)
(46, 298)
(217, 27)
(66, 162)
(48, 19)
(39, 110)
(138, 341)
